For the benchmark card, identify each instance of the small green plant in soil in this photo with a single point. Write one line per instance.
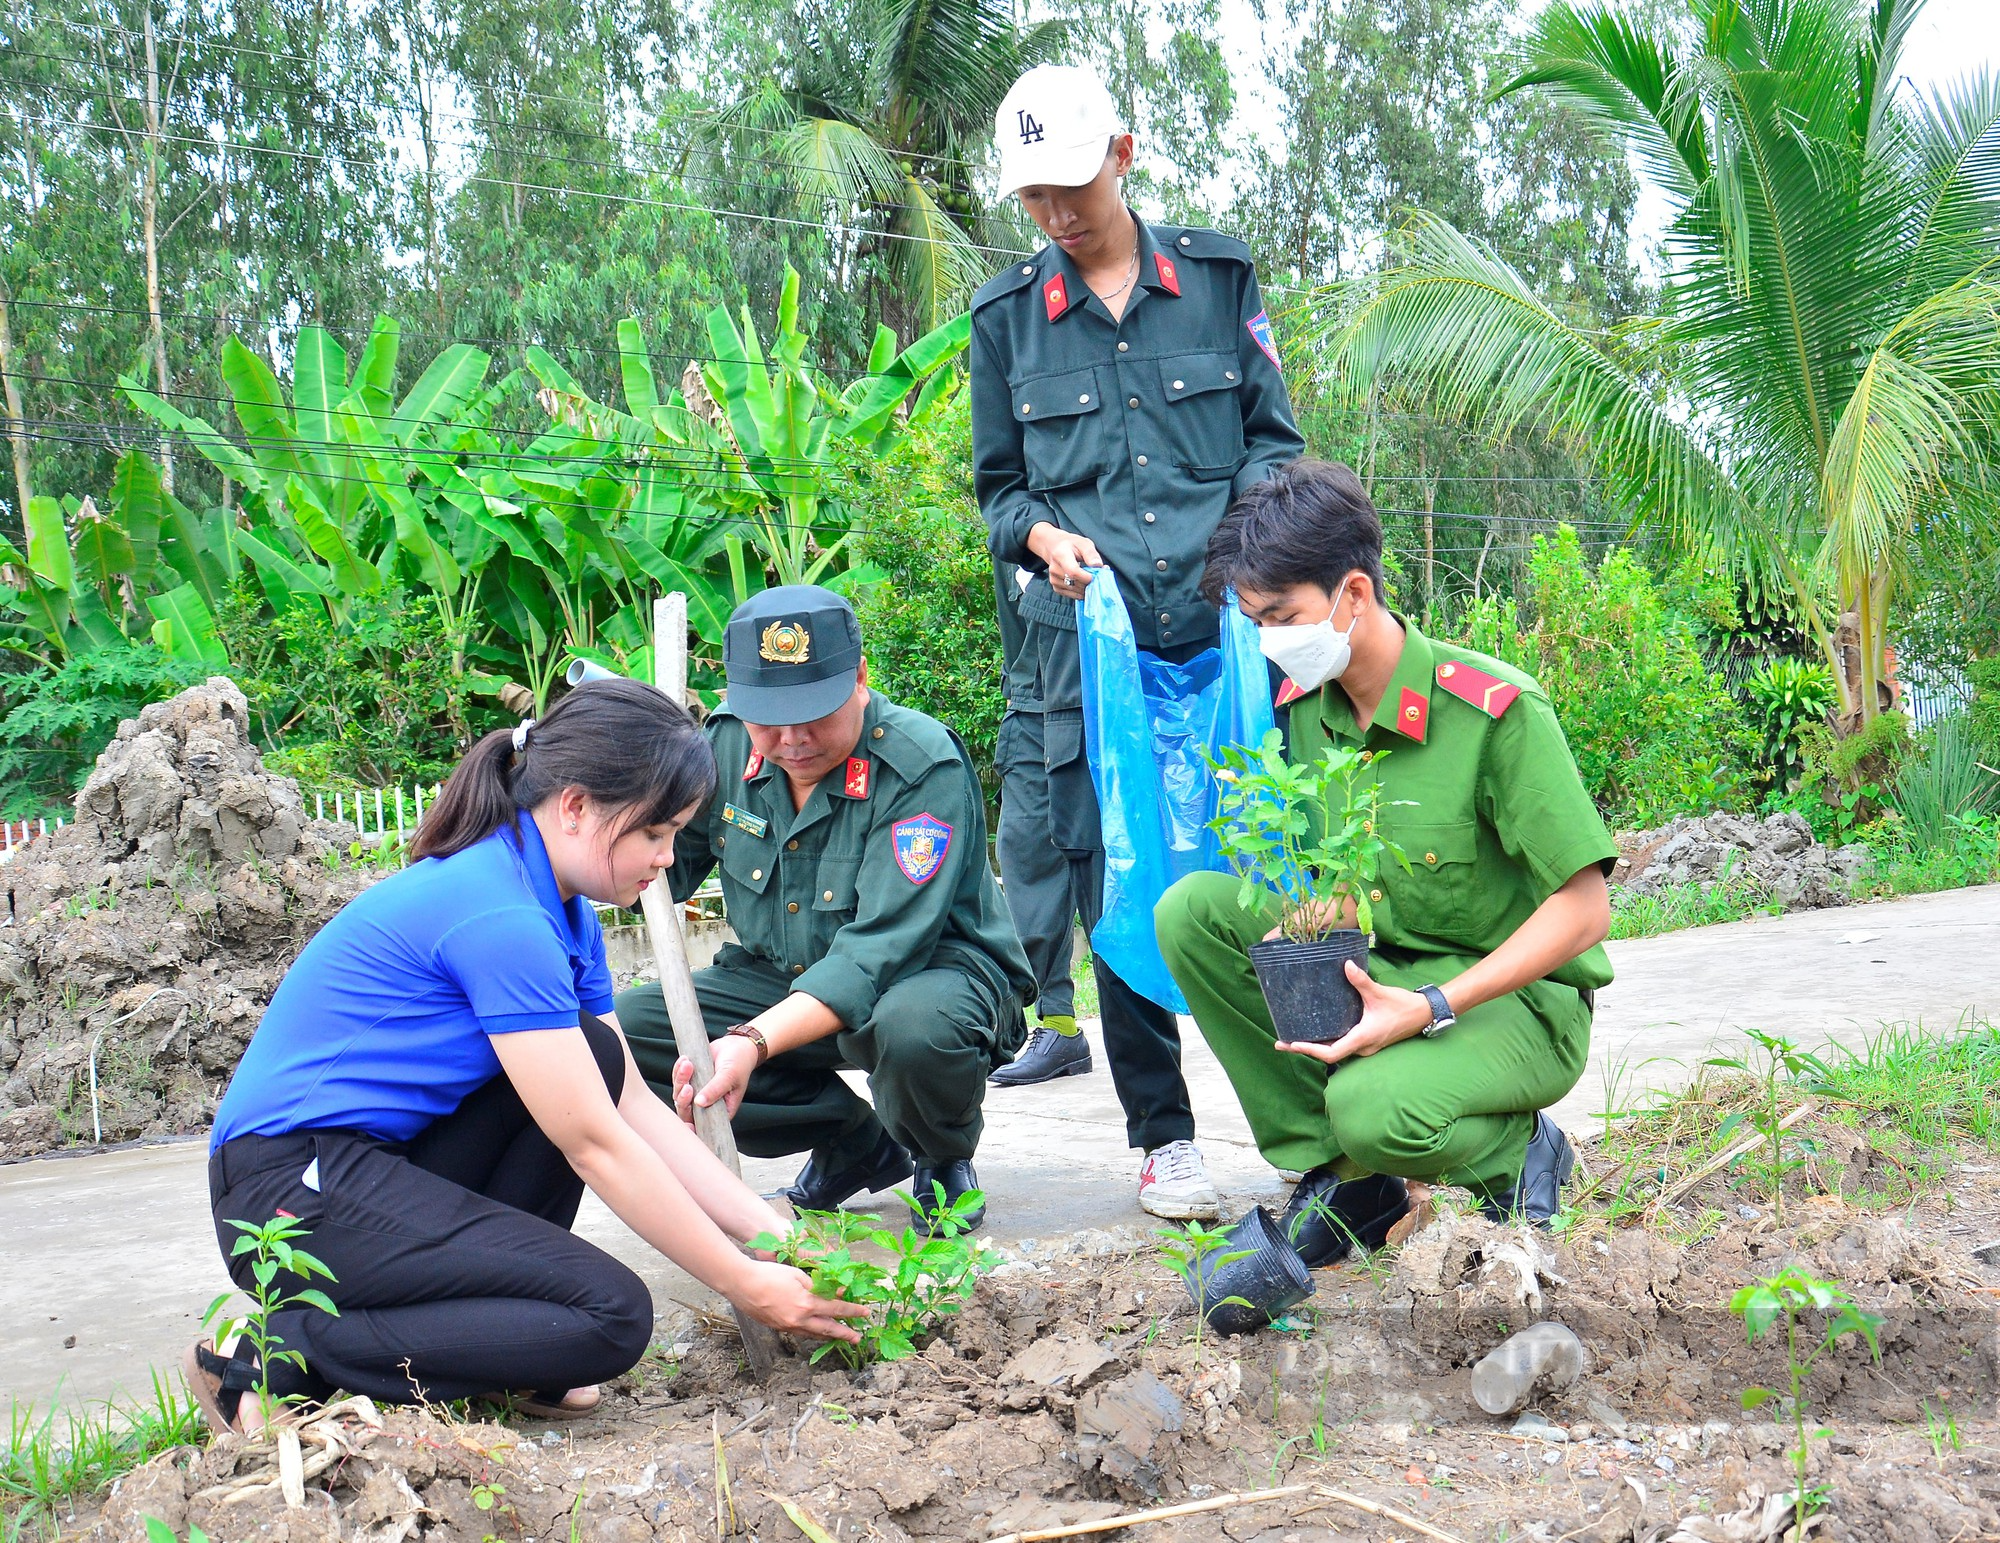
(51, 1460)
(1792, 1297)
(158, 1531)
(1775, 1056)
(928, 1277)
(1192, 1252)
(1308, 834)
(272, 1245)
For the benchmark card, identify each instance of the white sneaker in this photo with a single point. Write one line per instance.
(1174, 1186)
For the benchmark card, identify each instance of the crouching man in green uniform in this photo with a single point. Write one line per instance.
(851, 834)
(1478, 995)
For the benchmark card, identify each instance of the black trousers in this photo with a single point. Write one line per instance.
(1142, 1040)
(455, 1271)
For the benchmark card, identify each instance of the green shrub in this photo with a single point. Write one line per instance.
(928, 623)
(1655, 732)
(57, 720)
(1783, 699)
(1985, 710)
(1940, 783)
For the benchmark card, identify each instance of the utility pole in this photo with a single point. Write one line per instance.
(149, 202)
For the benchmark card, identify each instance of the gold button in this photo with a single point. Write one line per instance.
(1028, 268)
(1229, 375)
(1180, 385)
(1375, 895)
(756, 874)
(1446, 671)
(877, 734)
(1412, 712)
(791, 846)
(798, 969)
(1026, 409)
(827, 895)
(793, 906)
(1431, 858)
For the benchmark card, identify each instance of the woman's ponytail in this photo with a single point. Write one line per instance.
(626, 745)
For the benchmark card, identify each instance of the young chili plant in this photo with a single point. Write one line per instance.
(1194, 1253)
(928, 1276)
(272, 1244)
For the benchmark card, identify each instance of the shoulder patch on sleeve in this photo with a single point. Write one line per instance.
(1488, 693)
(1016, 276)
(921, 843)
(1260, 332)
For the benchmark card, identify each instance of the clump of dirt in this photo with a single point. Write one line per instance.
(141, 944)
(1071, 1389)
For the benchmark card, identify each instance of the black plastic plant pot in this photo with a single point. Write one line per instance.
(1269, 1278)
(1306, 985)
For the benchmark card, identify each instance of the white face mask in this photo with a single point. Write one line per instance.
(1310, 654)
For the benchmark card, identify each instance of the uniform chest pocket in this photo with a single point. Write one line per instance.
(835, 885)
(1205, 413)
(1062, 440)
(1434, 897)
(748, 860)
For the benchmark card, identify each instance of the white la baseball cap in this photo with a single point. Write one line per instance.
(1053, 128)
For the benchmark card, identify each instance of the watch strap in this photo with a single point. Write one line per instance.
(1442, 1017)
(755, 1035)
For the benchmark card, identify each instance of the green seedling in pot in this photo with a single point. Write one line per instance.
(271, 1243)
(1310, 835)
(1790, 1297)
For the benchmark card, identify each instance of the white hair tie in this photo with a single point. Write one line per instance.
(521, 734)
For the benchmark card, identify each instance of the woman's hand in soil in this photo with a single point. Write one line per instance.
(735, 1060)
(1388, 1014)
(783, 1297)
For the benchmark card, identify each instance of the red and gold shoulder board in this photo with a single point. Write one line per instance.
(752, 766)
(857, 776)
(1287, 694)
(1055, 295)
(1491, 696)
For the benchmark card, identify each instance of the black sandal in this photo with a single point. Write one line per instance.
(218, 1383)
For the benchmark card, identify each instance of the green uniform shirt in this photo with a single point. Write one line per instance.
(881, 874)
(1497, 818)
(1135, 432)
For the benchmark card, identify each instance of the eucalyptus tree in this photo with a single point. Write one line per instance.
(1821, 379)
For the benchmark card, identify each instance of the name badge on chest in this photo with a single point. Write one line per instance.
(750, 824)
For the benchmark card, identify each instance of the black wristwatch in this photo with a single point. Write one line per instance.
(1442, 1017)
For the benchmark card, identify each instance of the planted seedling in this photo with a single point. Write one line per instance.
(271, 1245)
(1775, 1055)
(1790, 1296)
(1195, 1253)
(929, 1276)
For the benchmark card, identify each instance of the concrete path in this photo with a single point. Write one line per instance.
(107, 1261)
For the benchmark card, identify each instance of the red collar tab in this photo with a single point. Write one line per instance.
(752, 766)
(1169, 280)
(857, 777)
(1287, 694)
(1413, 714)
(1055, 295)
(1490, 695)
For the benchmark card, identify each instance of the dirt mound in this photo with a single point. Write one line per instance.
(142, 943)
(1776, 858)
(1070, 1390)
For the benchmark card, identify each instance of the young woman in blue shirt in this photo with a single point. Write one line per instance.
(439, 1077)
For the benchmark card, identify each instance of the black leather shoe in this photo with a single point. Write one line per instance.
(1327, 1216)
(1537, 1194)
(817, 1189)
(958, 1179)
(1047, 1056)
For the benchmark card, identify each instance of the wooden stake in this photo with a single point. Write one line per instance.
(663, 930)
(1158, 1514)
(1387, 1512)
(1724, 1158)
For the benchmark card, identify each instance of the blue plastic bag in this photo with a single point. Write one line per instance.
(1149, 728)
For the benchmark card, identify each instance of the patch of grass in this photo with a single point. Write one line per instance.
(1933, 1089)
(55, 1459)
(1086, 985)
(1687, 905)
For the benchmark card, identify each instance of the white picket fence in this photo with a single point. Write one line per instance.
(15, 835)
(383, 816)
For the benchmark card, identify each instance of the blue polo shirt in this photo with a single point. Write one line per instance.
(382, 1023)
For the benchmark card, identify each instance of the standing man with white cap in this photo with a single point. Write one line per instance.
(1125, 387)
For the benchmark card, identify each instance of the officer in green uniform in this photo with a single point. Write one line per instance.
(851, 835)
(1478, 994)
(1125, 385)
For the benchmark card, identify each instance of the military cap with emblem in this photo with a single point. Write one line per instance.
(790, 655)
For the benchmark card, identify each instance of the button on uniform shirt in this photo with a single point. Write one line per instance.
(1136, 433)
(382, 1024)
(1496, 818)
(881, 874)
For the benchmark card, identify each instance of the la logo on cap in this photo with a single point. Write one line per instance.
(1030, 127)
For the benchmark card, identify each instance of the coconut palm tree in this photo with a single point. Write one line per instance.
(882, 116)
(1823, 374)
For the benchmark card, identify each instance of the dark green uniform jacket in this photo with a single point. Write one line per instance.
(1135, 433)
(881, 874)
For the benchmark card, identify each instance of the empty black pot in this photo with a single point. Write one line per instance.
(1306, 985)
(1269, 1278)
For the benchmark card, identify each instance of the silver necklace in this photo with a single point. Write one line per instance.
(1131, 273)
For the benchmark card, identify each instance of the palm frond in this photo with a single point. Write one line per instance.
(832, 159)
(1953, 137)
(940, 267)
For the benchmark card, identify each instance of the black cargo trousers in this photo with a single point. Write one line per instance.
(455, 1271)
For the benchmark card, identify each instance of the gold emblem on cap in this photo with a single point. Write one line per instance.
(786, 642)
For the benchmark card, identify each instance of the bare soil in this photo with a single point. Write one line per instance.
(140, 945)
(1072, 1389)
